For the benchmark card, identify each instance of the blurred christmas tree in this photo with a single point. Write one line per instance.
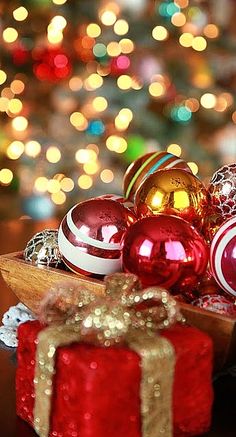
(88, 86)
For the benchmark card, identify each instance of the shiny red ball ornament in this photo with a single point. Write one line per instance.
(222, 190)
(223, 256)
(208, 284)
(165, 251)
(217, 304)
(119, 199)
(90, 234)
(145, 166)
(174, 192)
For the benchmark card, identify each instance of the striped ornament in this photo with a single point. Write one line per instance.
(90, 234)
(223, 256)
(146, 165)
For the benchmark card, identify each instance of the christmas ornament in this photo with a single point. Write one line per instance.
(145, 166)
(166, 251)
(119, 199)
(222, 190)
(223, 256)
(212, 222)
(90, 236)
(172, 191)
(207, 284)
(42, 249)
(217, 304)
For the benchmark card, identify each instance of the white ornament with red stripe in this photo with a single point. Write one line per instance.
(90, 235)
(223, 256)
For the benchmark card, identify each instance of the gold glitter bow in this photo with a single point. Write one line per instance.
(126, 314)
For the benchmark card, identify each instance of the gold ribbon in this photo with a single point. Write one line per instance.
(126, 314)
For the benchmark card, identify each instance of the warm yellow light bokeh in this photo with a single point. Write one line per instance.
(58, 198)
(85, 182)
(124, 82)
(79, 121)
(85, 155)
(53, 154)
(126, 45)
(108, 18)
(67, 184)
(20, 123)
(113, 48)
(32, 148)
(160, 33)
(3, 77)
(186, 39)
(199, 43)
(20, 14)
(41, 184)
(91, 167)
(193, 167)
(15, 149)
(116, 144)
(53, 186)
(208, 100)
(93, 30)
(10, 34)
(121, 27)
(15, 106)
(156, 89)
(6, 176)
(100, 104)
(175, 149)
(107, 176)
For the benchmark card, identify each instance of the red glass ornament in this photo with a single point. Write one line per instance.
(172, 191)
(145, 166)
(217, 304)
(222, 190)
(118, 199)
(165, 251)
(208, 285)
(223, 256)
(90, 236)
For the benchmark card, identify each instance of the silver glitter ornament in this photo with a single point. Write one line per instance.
(43, 249)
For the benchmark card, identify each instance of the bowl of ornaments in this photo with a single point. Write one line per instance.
(168, 229)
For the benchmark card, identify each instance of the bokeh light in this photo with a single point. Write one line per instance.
(20, 123)
(32, 148)
(121, 27)
(20, 14)
(160, 33)
(175, 149)
(93, 30)
(53, 154)
(6, 176)
(107, 176)
(85, 182)
(15, 149)
(10, 35)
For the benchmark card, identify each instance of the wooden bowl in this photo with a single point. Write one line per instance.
(30, 283)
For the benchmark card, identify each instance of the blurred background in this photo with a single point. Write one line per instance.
(88, 86)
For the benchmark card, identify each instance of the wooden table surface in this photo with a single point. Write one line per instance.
(13, 237)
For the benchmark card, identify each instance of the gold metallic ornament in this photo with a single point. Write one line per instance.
(174, 192)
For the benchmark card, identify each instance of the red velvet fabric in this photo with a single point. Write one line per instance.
(96, 390)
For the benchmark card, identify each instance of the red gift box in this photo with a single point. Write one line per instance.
(96, 390)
